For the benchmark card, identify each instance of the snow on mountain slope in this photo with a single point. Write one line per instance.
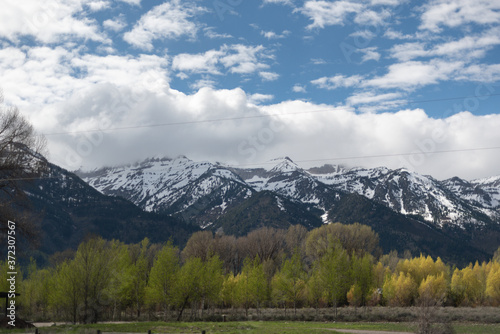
(161, 184)
(409, 193)
(286, 178)
(193, 188)
(483, 192)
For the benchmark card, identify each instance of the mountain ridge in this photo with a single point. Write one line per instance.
(449, 214)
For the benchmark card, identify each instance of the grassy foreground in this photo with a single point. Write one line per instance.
(250, 327)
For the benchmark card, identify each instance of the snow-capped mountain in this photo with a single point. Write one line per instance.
(203, 191)
(196, 191)
(413, 194)
(284, 177)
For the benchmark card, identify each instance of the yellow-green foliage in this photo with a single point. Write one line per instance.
(110, 278)
(400, 289)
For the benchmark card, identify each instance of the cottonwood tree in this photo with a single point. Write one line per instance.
(93, 263)
(355, 239)
(289, 282)
(334, 270)
(163, 277)
(493, 284)
(20, 161)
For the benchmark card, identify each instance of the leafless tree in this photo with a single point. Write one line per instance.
(266, 242)
(21, 160)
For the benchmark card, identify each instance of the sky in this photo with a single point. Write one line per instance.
(396, 83)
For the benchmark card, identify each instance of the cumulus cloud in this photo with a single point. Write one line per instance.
(51, 21)
(337, 81)
(414, 74)
(297, 88)
(170, 20)
(236, 58)
(455, 13)
(117, 24)
(325, 13)
(278, 2)
(301, 130)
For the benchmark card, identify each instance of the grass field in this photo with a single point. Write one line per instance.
(250, 327)
(479, 320)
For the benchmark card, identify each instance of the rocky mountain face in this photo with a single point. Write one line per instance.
(181, 185)
(279, 193)
(66, 210)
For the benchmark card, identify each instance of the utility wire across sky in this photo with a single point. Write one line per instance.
(255, 116)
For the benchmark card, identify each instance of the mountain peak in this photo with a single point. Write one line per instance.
(284, 165)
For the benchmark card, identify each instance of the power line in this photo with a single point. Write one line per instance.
(258, 116)
(325, 159)
(380, 156)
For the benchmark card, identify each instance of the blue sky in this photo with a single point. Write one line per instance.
(328, 79)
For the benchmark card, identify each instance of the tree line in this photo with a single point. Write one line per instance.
(331, 266)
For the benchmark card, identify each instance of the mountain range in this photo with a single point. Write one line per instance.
(455, 218)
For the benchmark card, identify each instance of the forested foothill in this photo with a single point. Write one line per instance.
(327, 268)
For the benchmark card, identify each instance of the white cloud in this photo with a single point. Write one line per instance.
(388, 2)
(338, 132)
(273, 35)
(170, 20)
(365, 34)
(297, 88)
(408, 51)
(236, 58)
(392, 34)
(325, 13)
(203, 83)
(212, 34)
(318, 61)
(337, 81)
(198, 63)
(117, 24)
(473, 46)
(278, 2)
(43, 75)
(269, 76)
(371, 17)
(98, 5)
(369, 54)
(259, 98)
(457, 13)
(382, 100)
(480, 73)
(49, 22)
(244, 59)
(468, 47)
(414, 74)
(132, 2)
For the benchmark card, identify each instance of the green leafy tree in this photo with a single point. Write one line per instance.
(93, 263)
(399, 289)
(362, 276)
(138, 276)
(187, 288)
(67, 297)
(253, 286)
(288, 284)
(163, 277)
(355, 296)
(433, 290)
(334, 270)
(465, 286)
(493, 284)
(211, 281)
(314, 289)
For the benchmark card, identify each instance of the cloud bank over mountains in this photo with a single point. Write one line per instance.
(381, 82)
